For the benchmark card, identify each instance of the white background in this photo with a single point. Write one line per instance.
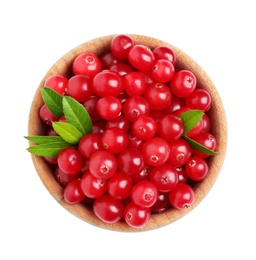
(219, 35)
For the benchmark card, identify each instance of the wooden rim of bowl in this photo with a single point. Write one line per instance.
(219, 130)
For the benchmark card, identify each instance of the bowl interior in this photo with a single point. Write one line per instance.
(219, 130)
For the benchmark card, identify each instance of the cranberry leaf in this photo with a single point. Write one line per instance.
(48, 149)
(44, 139)
(68, 132)
(195, 145)
(53, 100)
(190, 119)
(77, 115)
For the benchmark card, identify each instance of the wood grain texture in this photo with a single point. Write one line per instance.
(219, 129)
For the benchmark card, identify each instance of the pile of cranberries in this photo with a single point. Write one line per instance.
(134, 162)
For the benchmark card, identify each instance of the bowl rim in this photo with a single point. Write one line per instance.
(217, 113)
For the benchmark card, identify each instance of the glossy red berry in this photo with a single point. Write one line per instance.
(120, 122)
(170, 127)
(107, 83)
(134, 107)
(130, 161)
(162, 71)
(155, 151)
(180, 152)
(87, 64)
(134, 83)
(120, 185)
(197, 168)
(114, 140)
(158, 95)
(144, 127)
(182, 196)
(58, 83)
(70, 160)
(102, 164)
(164, 52)
(165, 177)
(199, 99)
(206, 139)
(120, 45)
(183, 83)
(109, 107)
(46, 115)
(108, 209)
(161, 204)
(63, 178)
(90, 144)
(144, 194)
(141, 57)
(92, 186)
(73, 192)
(136, 216)
(80, 88)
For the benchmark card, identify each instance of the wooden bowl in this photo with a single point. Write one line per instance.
(219, 130)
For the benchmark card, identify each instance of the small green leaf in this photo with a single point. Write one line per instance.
(53, 101)
(190, 119)
(195, 145)
(44, 139)
(76, 115)
(49, 149)
(68, 132)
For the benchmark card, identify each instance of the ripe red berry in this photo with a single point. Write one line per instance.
(197, 168)
(164, 52)
(102, 164)
(165, 177)
(207, 140)
(58, 83)
(89, 144)
(134, 83)
(73, 192)
(135, 107)
(183, 83)
(120, 185)
(70, 160)
(136, 216)
(120, 45)
(144, 194)
(170, 127)
(92, 186)
(180, 152)
(87, 64)
(114, 140)
(144, 127)
(109, 107)
(80, 88)
(158, 95)
(107, 83)
(162, 71)
(46, 115)
(130, 161)
(155, 151)
(182, 196)
(199, 99)
(141, 57)
(108, 209)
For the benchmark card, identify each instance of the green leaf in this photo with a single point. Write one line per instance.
(68, 132)
(195, 145)
(44, 139)
(190, 119)
(53, 100)
(48, 149)
(77, 115)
